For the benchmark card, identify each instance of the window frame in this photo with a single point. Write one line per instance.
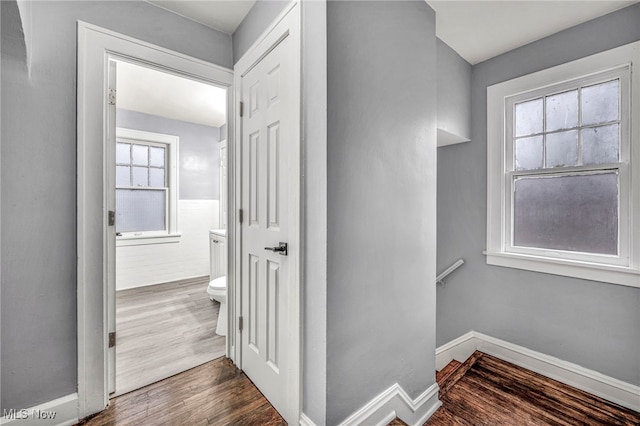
(171, 142)
(624, 268)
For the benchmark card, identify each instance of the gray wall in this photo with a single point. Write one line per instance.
(38, 319)
(380, 207)
(454, 91)
(589, 323)
(199, 155)
(254, 24)
(13, 43)
(314, 119)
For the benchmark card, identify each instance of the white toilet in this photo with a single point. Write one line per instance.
(217, 288)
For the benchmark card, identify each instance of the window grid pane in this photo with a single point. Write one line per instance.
(561, 111)
(140, 155)
(123, 153)
(590, 106)
(600, 103)
(600, 145)
(141, 187)
(562, 149)
(145, 163)
(529, 153)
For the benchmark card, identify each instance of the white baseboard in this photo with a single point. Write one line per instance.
(306, 421)
(59, 412)
(394, 402)
(598, 384)
(459, 349)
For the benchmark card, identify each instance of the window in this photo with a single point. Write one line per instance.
(562, 195)
(145, 186)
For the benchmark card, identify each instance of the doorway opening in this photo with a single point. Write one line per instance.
(98, 51)
(168, 182)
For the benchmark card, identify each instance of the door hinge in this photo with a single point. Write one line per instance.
(112, 218)
(241, 215)
(112, 96)
(112, 339)
(240, 323)
(241, 109)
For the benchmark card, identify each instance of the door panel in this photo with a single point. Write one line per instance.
(268, 138)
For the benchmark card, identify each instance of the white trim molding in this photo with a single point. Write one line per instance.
(395, 402)
(59, 412)
(95, 239)
(305, 420)
(172, 144)
(622, 267)
(614, 390)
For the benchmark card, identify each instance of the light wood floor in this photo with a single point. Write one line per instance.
(163, 330)
(215, 393)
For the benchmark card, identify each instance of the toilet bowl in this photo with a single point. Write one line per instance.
(217, 290)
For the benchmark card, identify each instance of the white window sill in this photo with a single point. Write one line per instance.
(569, 268)
(147, 239)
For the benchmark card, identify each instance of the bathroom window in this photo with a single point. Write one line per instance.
(561, 194)
(145, 185)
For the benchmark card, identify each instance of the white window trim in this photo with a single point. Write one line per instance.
(626, 272)
(157, 237)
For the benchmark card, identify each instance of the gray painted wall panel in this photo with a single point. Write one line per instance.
(380, 211)
(13, 43)
(38, 312)
(454, 91)
(592, 324)
(314, 119)
(199, 156)
(261, 15)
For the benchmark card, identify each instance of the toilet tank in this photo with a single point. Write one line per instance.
(217, 253)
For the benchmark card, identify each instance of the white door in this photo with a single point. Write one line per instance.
(270, 202)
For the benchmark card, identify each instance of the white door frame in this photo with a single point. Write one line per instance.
(287, 24)
(95, 46)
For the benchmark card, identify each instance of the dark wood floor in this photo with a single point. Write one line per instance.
(487, 391)
(216, 393)
(481, 391)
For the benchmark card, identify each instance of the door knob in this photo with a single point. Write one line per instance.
(281, 249)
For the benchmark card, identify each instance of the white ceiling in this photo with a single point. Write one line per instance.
(159, 93)
(223, 15)
(476, 29)
(479, 30)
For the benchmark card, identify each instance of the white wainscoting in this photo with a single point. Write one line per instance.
(148, 264)
(606, 387)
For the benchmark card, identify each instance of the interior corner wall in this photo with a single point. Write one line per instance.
(38, 228)
(261, 15)
(13, 42)
(314, 149)
(454, 91)
(381, 184)
(592, 324)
